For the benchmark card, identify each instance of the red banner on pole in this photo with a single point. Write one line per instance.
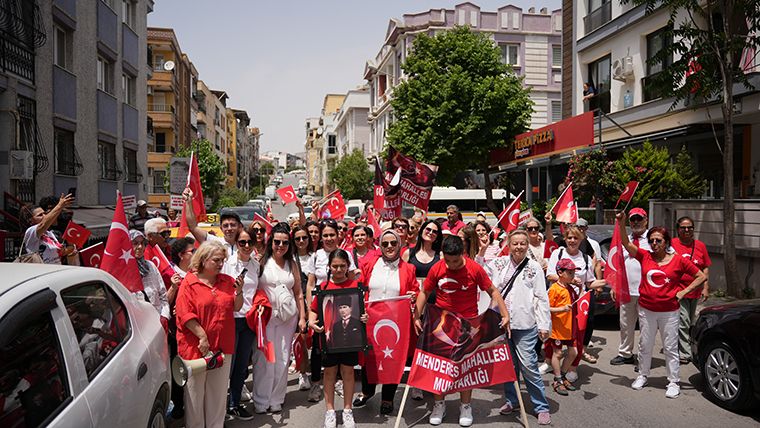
(93, 256)
(288, 195)
(615, 273)
(417, 178)
(628, 192)
(457, 354)
(118, 257)
(388, 331)
(76, 234)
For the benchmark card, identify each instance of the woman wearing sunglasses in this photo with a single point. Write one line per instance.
(302, 240)
(260, 229)
(536, 245)
(660, 294)
(280, 279)
(696, 251)
(387, 276)
(244, 336)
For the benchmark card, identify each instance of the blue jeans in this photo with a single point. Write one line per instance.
(522, 347)
(244, 340)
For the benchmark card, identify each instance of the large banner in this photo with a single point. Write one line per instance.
(456, 354)
(417, 178)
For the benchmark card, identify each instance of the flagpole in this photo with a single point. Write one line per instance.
(190, 170)
(560, 196)
(401, 409)
(522, 406)
(498, 220)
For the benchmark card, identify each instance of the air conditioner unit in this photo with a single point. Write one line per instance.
(22, 165)
(628, 65)
(618, 69)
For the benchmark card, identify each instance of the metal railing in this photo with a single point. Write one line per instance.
(158, 190)
(150, 57)
(161, 108)
(598, 17)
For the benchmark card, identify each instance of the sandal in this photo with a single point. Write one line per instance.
(386, 407)
(588, 358)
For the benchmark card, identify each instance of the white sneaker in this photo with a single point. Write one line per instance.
(544, 368)
(275, 408)
(416, 394)
(674, 390)
(339, 388)
(303, 382)
(330, 421)
(640, 382)
(245, 394)
(571, 376)
(348, 419)
(439, 412)
(315, 393)
(465, 415)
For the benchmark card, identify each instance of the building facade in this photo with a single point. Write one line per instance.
(530, 42)
(351, 126)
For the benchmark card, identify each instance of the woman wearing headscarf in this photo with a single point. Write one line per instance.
(387, 276)
(154, 288)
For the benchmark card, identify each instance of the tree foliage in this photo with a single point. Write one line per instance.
(211, 168)
(267, 168)
(230, 197)
(351, 175)
(688, 182)
(458, 103)
(650, 166)
(592, 168)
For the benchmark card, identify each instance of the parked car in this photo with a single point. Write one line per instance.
(266, 199)
(306, 210)
(79, 350)
(725, 345)
(258, 202)
(247, 214)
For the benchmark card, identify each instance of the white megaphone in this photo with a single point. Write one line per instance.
(183, 369)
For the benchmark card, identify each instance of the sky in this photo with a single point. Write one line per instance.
(278, 59)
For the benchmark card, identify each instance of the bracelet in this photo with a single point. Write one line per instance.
(238, 294)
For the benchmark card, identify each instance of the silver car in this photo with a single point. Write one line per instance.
(78, 350)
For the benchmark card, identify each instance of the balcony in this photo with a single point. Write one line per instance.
(164, 80)
(164, 108)
(150, 126)
(600, 101)
(150, 57)
(160, 190)
(597, 18)
(163, 116)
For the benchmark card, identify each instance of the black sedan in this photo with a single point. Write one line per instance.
(725, 343)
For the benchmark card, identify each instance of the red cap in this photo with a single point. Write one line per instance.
(637, 211)
(566, 264)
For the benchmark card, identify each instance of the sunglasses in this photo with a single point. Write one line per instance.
(259, 230)
(301, 238)
(532, 228)
(189, 251)
(343, 229)
(401, 226)
(387, 244)
(166, 233)
(637, 218)
(656, 241)
(431, 231)
(243, 242)
(686, 227)
(279, 242)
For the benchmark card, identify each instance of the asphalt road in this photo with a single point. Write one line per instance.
(281, 212)
(604, 398)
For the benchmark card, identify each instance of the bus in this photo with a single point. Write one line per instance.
(469, 201)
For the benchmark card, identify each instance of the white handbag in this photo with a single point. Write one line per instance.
(285, 303)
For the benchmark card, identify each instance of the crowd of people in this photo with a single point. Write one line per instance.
(221, 287)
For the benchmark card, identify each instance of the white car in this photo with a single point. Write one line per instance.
(79, 350)
(296, 215)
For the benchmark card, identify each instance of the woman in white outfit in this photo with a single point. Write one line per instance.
(280, 279)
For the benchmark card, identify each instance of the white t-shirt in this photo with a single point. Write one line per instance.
(231, 248)
(318, 265)
(580, 260)
(233, 267)
(46, 245)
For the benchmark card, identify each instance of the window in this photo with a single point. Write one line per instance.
(110, 3)
(158, 62)
(105, 76)
(100, 322)
(332, 146)
(109, 167)
(33, 376)
(132, 169)
(557, 56)
(510, 54)
(600, 13)
(556, 111)
(128, 87)
(67, 160)
(160, 142)
(128, 12)
(655, 43)
(59, 46)
(599, 73)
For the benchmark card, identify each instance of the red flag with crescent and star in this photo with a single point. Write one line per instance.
(372, 222)
(287, 195)
(118, 257)
(76, 234)
(299, 348)
(615, 273)
(93, 256)
(257, 217)
(549, 246)
(388, 331)
(199, 208)
(628, 192)
(333, 206)
(583, 306)
(565, 207)
(157, 256)
(510, 217)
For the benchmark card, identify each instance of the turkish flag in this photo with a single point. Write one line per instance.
(565, 207)
(615, 273)
(76, 234)
(118, 257)
(299, 349)
(372, 222)
(199, 208)
(287, 195)
(628, 192)
(549, 246)
(257, 217)
(93, 256)
(510, 217)
(583, 307)
(388, 331)
(258, 323)
(333, 206)
(157, 256)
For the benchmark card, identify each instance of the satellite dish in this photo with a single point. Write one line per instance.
(319, 131)
(169, 65)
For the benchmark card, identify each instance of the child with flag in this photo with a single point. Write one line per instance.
(561, 298)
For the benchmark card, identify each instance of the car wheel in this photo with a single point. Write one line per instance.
(157, 416)
(727, 376)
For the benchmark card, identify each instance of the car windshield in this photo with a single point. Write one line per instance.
(246, 214)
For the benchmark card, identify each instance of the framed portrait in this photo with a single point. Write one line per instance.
(340, 311)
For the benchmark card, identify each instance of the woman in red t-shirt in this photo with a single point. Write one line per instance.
(206, 324)
(696, 252)
(659, 297)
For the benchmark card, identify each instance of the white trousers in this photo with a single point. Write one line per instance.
(629, 313)
(667, 323)
(272, 378)
(206, 397)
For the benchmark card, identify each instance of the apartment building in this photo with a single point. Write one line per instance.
(530, 41)
(351, 126)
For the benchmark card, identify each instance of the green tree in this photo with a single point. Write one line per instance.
(267, 169)
(351, 175)
(707, 40)
(211, 168)
(458, 103)
(688, 183)
(230, 197)
(650, 166)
